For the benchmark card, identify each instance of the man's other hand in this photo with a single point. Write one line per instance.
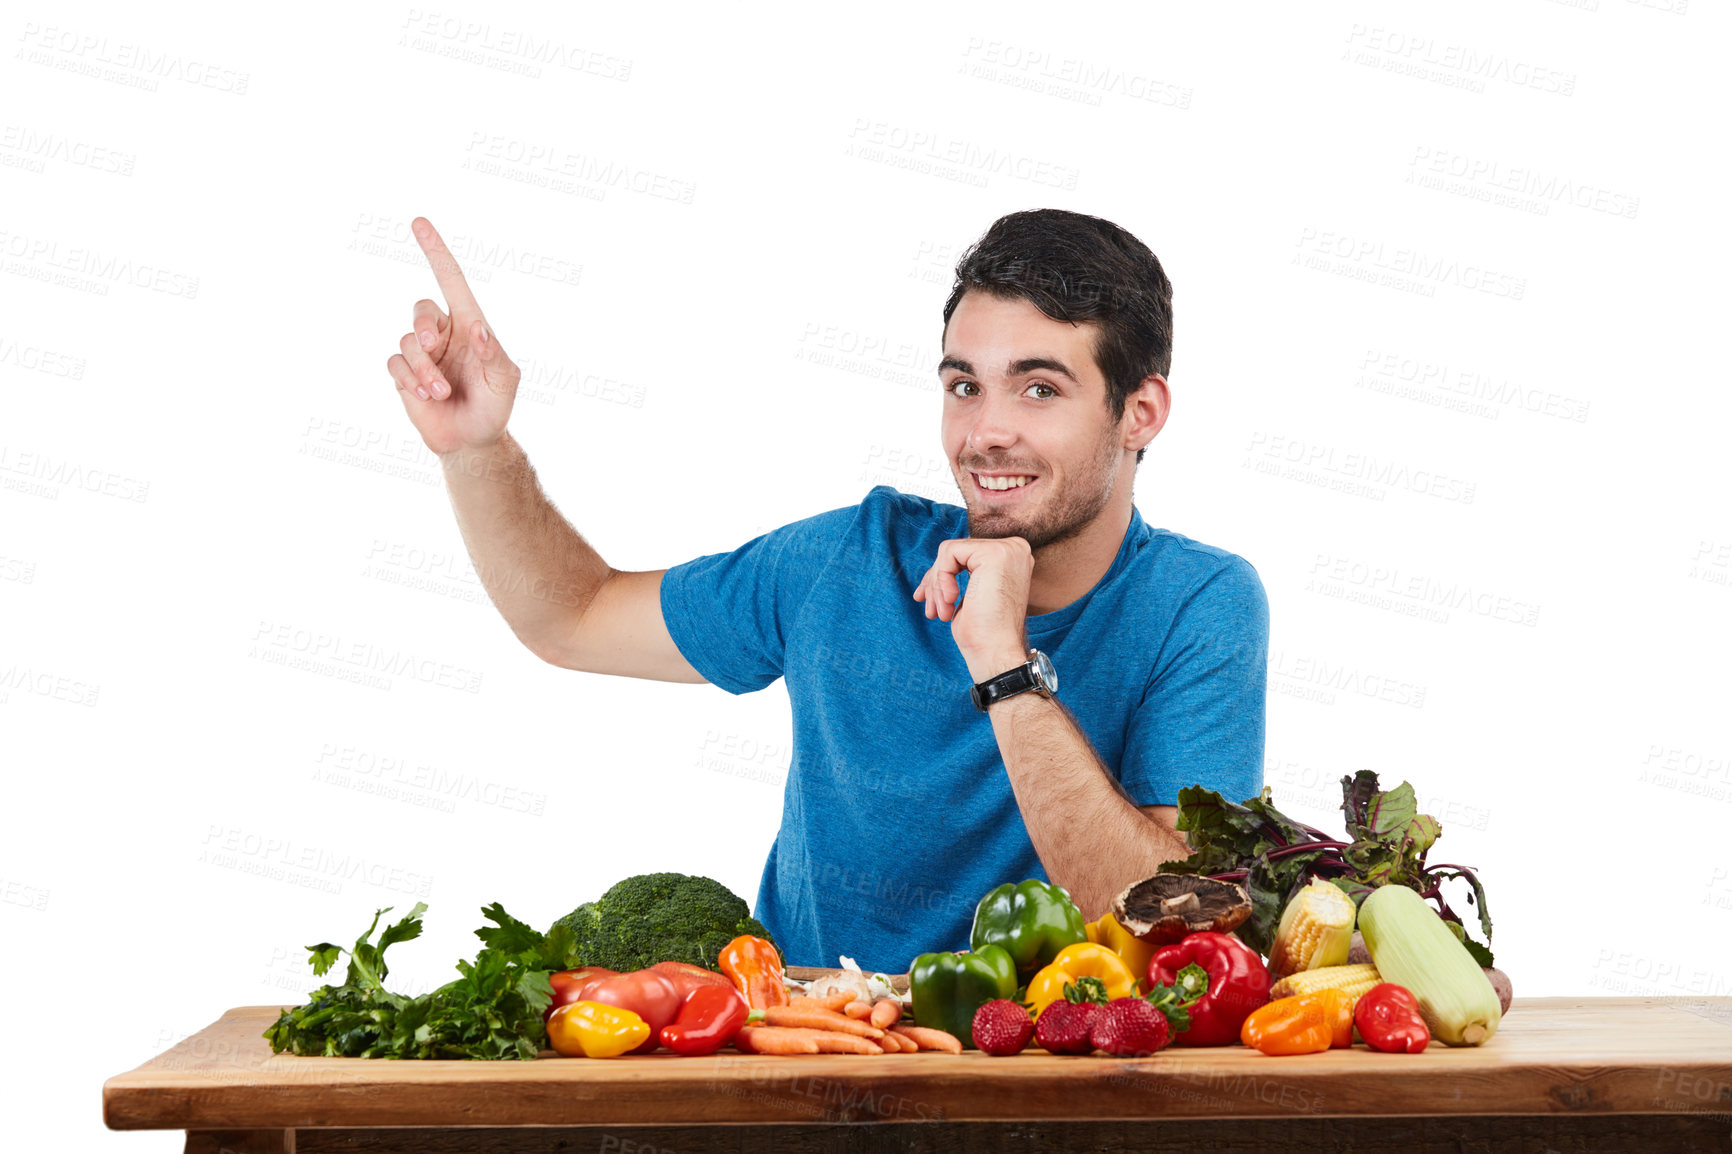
(457, 384)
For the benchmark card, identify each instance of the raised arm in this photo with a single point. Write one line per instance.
(559, 597)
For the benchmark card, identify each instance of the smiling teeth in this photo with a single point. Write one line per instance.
(1004, 482)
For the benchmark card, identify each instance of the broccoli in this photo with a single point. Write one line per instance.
(657, 918)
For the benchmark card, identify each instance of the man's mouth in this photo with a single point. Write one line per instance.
(1002, 486)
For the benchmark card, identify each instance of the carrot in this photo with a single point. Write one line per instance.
(828, 1002)
(818, 1020)
(769, 1040)
(858, 1010)
(890, 1044)
(830, 1042)
(909, 1045)
(886, 1012)
(803, 1040)
(928, 1039)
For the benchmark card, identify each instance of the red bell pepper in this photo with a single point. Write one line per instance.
(709, 1018)
(1238, 984)
(1388, 1018)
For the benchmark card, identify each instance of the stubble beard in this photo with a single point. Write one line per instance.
(1064, 513)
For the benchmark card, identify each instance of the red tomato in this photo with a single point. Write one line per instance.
(687, 977)
(568, 986)
(644, 992)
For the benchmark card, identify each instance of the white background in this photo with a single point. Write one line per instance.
(1470, 258)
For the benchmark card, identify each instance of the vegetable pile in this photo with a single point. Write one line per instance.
(497, 1005)
(1273, 856)
(1249, 940)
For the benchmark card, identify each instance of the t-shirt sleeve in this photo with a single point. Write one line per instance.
(730, 614)
(1201, 720)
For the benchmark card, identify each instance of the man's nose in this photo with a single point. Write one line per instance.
(994, 424)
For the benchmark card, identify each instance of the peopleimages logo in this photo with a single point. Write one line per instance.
(1454, 65)
(1526, 188)
(1369, 259)
(1417, 593)
(1347, 471)
(939, 154)
(1472, 391)
(311, 867)
(42, 475)
(359, 661)
(89, 269)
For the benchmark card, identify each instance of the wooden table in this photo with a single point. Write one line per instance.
(1562, 1074)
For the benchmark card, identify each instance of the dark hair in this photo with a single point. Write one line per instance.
(1074, 267)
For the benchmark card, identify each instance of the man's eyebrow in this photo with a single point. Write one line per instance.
(1017, 368)
(1042, 364)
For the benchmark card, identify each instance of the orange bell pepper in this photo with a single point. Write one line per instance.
(755, 968)
(1302, 1024)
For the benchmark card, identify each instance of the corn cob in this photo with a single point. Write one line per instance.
(1411, 946)
(1352, 980)
(1316, 930)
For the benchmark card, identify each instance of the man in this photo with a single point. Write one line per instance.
(898, 622)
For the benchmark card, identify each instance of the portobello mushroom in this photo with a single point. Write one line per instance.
(1164, 908)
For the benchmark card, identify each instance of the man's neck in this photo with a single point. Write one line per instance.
(1065, 570)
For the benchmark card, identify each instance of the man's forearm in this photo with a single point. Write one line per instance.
(1091, 838)
(540, 573)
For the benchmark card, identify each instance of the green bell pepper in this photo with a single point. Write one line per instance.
(948, 988)
(1032, 919)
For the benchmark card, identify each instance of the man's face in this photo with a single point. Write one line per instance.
(1023, 398)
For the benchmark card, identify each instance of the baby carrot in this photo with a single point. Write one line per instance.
(769, 1040)
(830, 1042)
(928, 1039)
(886, 1012)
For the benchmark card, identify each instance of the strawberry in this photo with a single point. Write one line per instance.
(1002, 1027)
(1063, 1027)
(1129, 1028)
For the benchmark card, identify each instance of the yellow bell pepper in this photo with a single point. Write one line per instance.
(595, 1030)
(1082, 960)
(1132, 950)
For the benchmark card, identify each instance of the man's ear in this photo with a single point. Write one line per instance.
(1146, 411)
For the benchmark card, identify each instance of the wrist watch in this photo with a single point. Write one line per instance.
(1036, 674)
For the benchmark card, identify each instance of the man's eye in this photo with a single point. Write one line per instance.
(959, 383)
(1050, 391)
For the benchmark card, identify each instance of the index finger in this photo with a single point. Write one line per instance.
(445, 270)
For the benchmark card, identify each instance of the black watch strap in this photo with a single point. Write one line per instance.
(1007, 684)
(1018, 680)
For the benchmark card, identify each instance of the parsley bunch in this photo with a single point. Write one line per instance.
(492, 1010)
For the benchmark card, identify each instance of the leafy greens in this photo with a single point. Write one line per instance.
(1273, 855)
(492, 1010)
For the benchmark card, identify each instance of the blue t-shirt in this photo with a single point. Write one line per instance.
(898, 815)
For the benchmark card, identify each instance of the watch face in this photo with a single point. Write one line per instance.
(1043, 667)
